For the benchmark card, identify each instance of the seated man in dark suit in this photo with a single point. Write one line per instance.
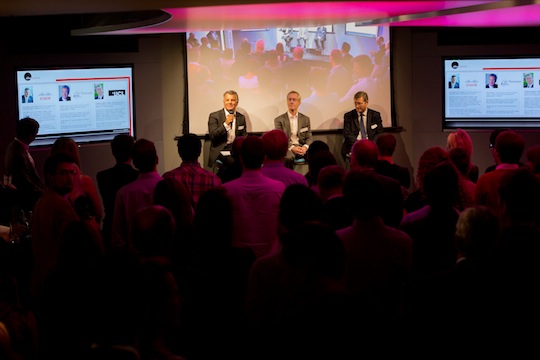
(224, 126)
(287, 36)
(353, 129)
(320, 37)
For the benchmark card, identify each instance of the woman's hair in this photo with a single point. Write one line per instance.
(68, 146)
(428, 160)
(460, 139)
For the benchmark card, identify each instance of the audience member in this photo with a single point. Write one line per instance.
(335, 210)
(319, 308)
(516, 297)
(297, 126)
(386, 143)
(460, 139)
(296, 72)
(214, 288)
(339, 79)
(364, 155)
(379, 53)
(281, 57)
(492, 137)
(321, 105)
(255, 199)
(135, 195)
(65, 315)
(111, 180)
(378, 257)
(361, 75)
(84, 194)
(190, 173)
(319, 161)
(465, 291)
(52, 213)
(20, 170)
(347, 57)
(19, 334)
(234, 169)
(275, 147)
(192, 40)
(509, 147)
(459, 158)
(432, 228)
(430, 158)
(315, 147)
(175, 197)
(533, 159)
(271, 289)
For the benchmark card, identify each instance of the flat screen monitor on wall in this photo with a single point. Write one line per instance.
(87, 104)
(249, 62)
(482, 93)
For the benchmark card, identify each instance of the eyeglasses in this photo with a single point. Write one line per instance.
(66, 172)
(359, 103)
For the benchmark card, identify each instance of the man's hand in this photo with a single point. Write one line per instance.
(299, 150)
(230, 119)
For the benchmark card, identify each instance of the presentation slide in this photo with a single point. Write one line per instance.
(326, 64)
(86, 104)
(491, 93)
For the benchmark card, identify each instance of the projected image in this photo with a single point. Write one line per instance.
(494, 92)
(64, 102)
(326, 64)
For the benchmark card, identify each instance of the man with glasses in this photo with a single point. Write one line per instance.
(52, 213)
(360, 123)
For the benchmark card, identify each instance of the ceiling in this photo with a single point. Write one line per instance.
(170, 16)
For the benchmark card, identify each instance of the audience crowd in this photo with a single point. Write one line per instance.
(265, 263)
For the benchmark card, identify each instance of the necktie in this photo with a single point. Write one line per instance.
(362, 127)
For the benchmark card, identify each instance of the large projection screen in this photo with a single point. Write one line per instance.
(247, 61)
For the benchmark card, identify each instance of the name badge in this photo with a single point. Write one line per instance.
(241, 127)
(374, 126)
(304, 129)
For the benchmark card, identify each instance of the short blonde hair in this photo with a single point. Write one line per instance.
(460, 139)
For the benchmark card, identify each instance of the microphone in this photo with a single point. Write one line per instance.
(232, 113)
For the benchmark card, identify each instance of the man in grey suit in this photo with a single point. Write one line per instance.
(353, 130)
(297, 126)
(223, 127)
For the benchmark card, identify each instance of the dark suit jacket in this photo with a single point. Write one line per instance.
(24, 175)
(305, 137)
(109, 182)
(218, 133)
(67, 99)
(495, 86)
(30, 99)
(351, 128)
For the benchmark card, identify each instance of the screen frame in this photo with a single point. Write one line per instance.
(81, 137)
(531, 123)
